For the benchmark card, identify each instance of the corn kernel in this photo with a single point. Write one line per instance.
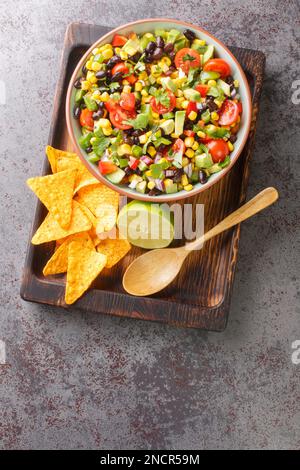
(174, 136)
(184, 104)
(151, 185)
(91, 77)
(108, 131)
(188, 187)
(104, 96)
(118, 50)
(189, 141)
(174, 75)
(148, 133)
(230, 146)
(184, 180)
(166, 61)
(104, 123)
(179, 93)
(179, 102)
(138, 86)
(95, 51)
(195, 145)
(96, 66)
(214, 116)
(179, 187)
(107, 54)
(144, 93)
(185, 161)
(189, 153)
(211, 83)
(168, 182)
(96, 95)
(126, 89)
(146, 99)
(236, 83)
(148, 173)
(218, 103)
(201, 134)
(124, 149)
(85, 85)
(123, 55)
(89, 64)
(93, 140)
(143, 76)
(192, 116)
(158, 80)
(155, 115)
(151, 150)
(143, 139)
(105, 47)
(199, 42)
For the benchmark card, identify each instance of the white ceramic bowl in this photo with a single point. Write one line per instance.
(148, 25)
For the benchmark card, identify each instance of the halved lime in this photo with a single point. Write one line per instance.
(146, 225)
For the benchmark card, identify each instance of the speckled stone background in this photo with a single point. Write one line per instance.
(79, 380)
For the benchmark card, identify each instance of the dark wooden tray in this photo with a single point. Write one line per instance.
(200, 296)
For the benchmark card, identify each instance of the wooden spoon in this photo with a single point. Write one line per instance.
(154, 270)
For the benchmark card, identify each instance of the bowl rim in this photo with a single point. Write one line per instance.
(164, 197)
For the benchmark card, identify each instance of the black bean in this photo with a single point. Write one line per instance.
(190, 35)
(98, 114)
(138, 103)
(177, 176)
(115, 59)
(232, 138)
(150, 47)
(77, 83)
(76, 112)
(169, 47)
(148, 59)
(136, 57)
(136, 140)
(117, 77)
(84, 70)
(127, 139)
(128, 170)
(229, 79)
(101, 75)
(201, 107)
(157, 54)
(202, 177)
(211, 105)
(137, 132)
(89, 149)
(160, 42)
(172, 55)
(101, 104)
(154, 192)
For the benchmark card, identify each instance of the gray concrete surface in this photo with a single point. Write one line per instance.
(77, 380)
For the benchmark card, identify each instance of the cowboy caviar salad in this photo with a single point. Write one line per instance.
(158, 112)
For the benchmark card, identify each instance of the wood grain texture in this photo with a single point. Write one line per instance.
(200, 295)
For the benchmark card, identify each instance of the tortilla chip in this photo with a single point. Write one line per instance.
(114, 249)
(50, 229)
(53, 154)
(106, 217)
(56, 193)
(96, 195)
(84, 265)
(58, 263)
(84, 177)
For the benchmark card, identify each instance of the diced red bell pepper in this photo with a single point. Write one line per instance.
(133, 163)
(203, 89)
(192, 106)
(118, 40)
(106, 167)
(189, 133)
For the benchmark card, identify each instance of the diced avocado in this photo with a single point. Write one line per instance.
(116, 177)
(170, 187)
(224, 86)
(172, 35)
(90, 103)
(143, 166)
(85, 139)
(168, 83)
(146, 38)
(93, 158)
(146, 109)
(79, 95)
(214, 168)
(168, 126)
(208, 53)
(168, 116)
(200, 49)
(141, 187)
(132, 46)
(137, 151)
(205, 76)
(180, 44)
(195, 176)
(203, 161)
(192, 95)
(179, 122)
(123, 162)
(160, 32)
(205, 116)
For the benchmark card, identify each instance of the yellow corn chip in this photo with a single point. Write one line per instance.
(58, 263)
(84, 177)
(84, 265)
(50, 229)
(53, 154)
(56, 193)
(114, 249)
(96, 195)
(107, 218)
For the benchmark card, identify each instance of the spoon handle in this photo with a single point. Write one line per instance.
(262, 200)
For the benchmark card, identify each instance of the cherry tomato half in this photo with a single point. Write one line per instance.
(127, 101)
(86, 119)
(159, 108)
(178, 146)
(118, 40)
(107, 167)
(120, 67)
(110, 105)
(229, 113)
(218, 65)
(187, 58)
(189, 133)
(203, 89)
(118, 115)
(218, 149)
